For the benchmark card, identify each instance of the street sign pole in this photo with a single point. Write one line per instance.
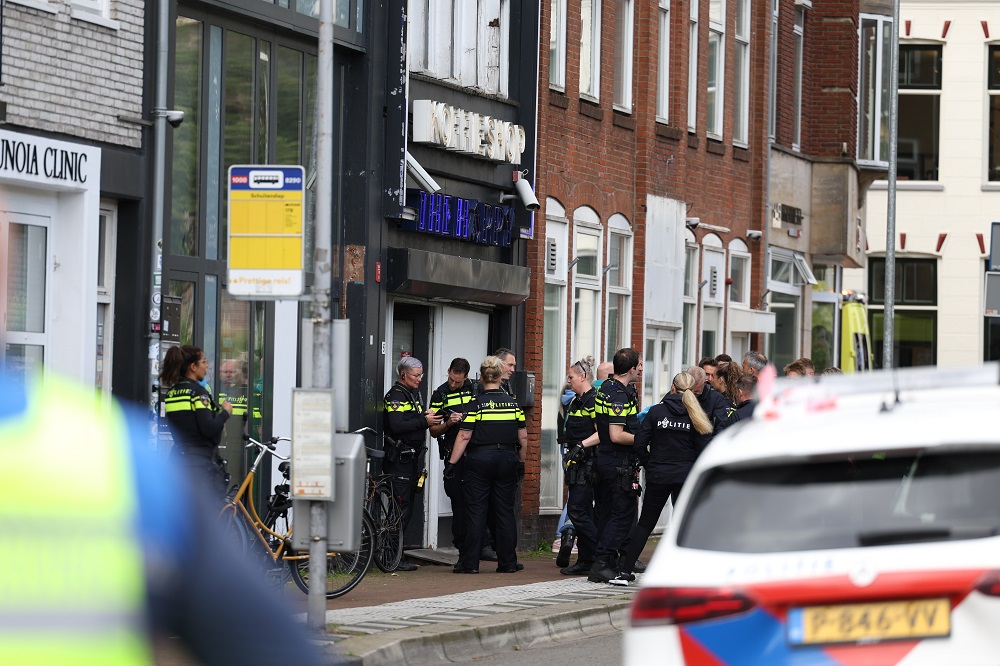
(889, 314)
(323, 261)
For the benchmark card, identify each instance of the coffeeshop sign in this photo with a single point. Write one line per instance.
(467, 132)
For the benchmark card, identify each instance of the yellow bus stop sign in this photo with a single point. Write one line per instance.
(266, 219)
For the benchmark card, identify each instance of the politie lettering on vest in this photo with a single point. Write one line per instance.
(673, 425)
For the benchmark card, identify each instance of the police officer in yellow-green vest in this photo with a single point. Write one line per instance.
(106, 544)
(406, 422)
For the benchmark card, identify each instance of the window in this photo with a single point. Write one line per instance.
(624, 17)
(106, 244)
(587, 312)
(663, 73)
(799, 35)
(716, 96)
(773, 90)
(741, 74)
(590, 49)
(915, 311)
(690, 322)
(343, 10)
(619, 282)
(919, 112)
(993, 89)
(657, 368)
(873, 89)
(692, 100)
(739, 273)
(553, 353)
(464, 41)
(557, 44)
(24, 247)
(95, 7)
(826, 317)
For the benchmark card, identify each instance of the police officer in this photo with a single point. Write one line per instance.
(196, 420)
(713, 403)
(616, 413)
(494, 440)
(449, 401)
(673, 434)
(406, 423)
(129, 546)
(581, 457)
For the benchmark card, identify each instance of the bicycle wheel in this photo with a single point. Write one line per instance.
(388, 522)
(235, 529)
(343, 570)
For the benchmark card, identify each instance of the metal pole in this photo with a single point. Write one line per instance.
(316, 605)
(890, 223)
(158, 201)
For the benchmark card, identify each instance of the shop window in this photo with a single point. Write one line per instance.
(557, 44)
(914, 311)
(873, 87)
(624, 19)
(919, 112)
(590, 49)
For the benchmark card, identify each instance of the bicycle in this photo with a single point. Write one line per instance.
(270, 537)
(383, 510)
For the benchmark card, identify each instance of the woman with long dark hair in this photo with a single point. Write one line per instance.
(673, 434)
(196, 421)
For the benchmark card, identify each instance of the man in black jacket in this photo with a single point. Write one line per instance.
(745, 387)
(406, 422)
(715, 405)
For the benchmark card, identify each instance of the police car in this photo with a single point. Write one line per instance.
(853, 520)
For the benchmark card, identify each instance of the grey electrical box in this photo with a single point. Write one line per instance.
(522, 384)
(343, 514)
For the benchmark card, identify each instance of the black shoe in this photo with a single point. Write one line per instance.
(488, 554)
(511, 569)
(638, 567)
(578, 569)
(601, 572)
(462, 570)
(566, 548)
(406, 566)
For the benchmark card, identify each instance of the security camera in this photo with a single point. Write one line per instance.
(692, 222)
(174, 116)
(524, 192)
(754, 234)
(420, 175)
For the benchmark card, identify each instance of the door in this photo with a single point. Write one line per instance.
(411, 336)
(24, 248)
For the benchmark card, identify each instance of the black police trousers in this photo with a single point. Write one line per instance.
(616, 509)
(203, 471)
(655, 497)
(490, 485)
(580, 509)
(404, 482)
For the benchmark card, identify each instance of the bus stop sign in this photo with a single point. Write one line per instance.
(266, 220)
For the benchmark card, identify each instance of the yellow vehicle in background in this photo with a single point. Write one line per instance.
(855, 338)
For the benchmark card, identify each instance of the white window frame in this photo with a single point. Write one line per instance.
(772, 121)
(557, 45)
(798, 34)
(882, 23)
(990, 183)
(903, 92)
(692, 269)
(36, 339)
(590, 60)
(739, 251)
(95, 7)
(741, 73)
(623, 54)
(692, 101)
(587, 223)
(108, 219)
(663, 64)
(619, 227)
(557, 230)
(716, 95)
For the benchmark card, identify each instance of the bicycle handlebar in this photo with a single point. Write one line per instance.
(268, 446)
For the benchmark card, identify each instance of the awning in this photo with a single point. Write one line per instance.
(435, 275)
(750, 321)
(420, 177)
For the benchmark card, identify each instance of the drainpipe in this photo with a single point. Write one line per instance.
(158, 200)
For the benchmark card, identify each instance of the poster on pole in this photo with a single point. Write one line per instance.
(312, 445)
(266, 225)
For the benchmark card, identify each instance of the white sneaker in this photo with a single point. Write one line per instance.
(556, 545)
(621, 580)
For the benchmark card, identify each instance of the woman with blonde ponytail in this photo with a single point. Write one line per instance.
(673, 434)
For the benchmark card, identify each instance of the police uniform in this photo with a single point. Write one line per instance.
(491, 470)
(743, 411)
(580, 425)
(669, 445)
(716, 406)
(404, 422)
(616, 502)
(443, 401)
(197, 424)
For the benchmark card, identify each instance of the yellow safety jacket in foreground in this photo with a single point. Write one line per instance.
(72, 586)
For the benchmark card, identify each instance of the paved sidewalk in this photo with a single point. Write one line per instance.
(466, 625)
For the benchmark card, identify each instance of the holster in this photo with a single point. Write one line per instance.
(391, 449)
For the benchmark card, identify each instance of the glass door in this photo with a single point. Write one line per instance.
(24, 243)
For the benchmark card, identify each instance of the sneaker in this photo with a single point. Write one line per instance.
(638, 567)
(406, 566)
(566, 548)
(621, 580)
(556, 545)
(488, 554)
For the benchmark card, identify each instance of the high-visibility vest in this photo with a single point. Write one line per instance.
(72, 583)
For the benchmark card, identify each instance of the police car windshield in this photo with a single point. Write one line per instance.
(845, 503)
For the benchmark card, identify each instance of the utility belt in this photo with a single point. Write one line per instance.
(616, 451)
(199, 451)
(581, 473)
(499, 446)
(401, 452)
(626, 479)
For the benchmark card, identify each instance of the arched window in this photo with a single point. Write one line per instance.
(587, 262)
(618, 272)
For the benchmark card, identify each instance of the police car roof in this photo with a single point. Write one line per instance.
(870, 413)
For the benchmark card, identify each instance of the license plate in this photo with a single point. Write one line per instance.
(869, 623)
